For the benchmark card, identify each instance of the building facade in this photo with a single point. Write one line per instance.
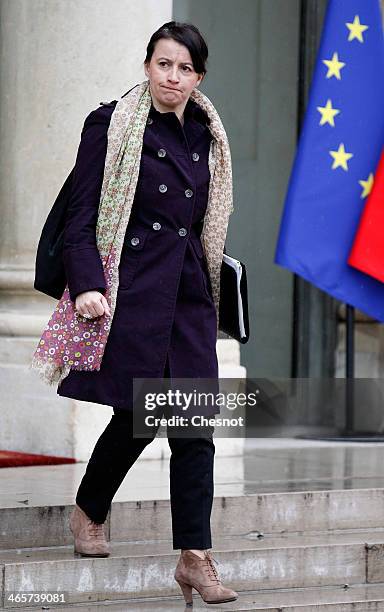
(60, 59)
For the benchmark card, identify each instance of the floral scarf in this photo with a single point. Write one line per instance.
(70, 341)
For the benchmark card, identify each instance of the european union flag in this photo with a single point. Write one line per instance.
(336, 158)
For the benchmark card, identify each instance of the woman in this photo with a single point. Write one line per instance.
(164, 187)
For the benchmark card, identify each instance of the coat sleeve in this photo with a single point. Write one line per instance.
(82, 261)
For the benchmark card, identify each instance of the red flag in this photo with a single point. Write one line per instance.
(367, 252)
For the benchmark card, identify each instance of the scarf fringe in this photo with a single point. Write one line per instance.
(49, 372)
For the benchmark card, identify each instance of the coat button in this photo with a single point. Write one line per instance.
(163, 188)
(161, 152)
(135, 241)
(195, 156)
(149, 121)
(188, 193)
(156, 226)
(182, 231)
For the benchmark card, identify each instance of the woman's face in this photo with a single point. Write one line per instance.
(171, 74)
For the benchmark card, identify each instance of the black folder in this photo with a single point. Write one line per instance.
(233, 310)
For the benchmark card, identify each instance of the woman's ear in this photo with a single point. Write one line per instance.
(201, 77)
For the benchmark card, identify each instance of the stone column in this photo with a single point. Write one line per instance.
(60, 58)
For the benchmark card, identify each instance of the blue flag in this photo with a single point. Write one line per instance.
(336, 158)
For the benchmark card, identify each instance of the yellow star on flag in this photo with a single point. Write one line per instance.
(327, 113)
(340, 158)
(334, 66)
(367, 186)
(356, 29)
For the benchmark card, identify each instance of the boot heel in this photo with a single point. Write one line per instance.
(187, 592)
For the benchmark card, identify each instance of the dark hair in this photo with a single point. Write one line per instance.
(186, 34)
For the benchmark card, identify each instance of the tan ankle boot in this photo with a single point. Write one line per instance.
(201, 574)
(89, 536)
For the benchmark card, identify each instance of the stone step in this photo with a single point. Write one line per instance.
(266, 513)
(358, 598)
(145, 569)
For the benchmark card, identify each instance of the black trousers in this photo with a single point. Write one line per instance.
(191, 477)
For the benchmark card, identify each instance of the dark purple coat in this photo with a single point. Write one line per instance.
(164, 305)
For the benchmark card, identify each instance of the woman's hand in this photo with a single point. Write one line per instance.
(91, 304)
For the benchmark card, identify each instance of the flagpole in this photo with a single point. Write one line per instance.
(349, 433)
(349, 370)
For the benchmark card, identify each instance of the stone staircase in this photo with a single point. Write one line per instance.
(282, 551)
